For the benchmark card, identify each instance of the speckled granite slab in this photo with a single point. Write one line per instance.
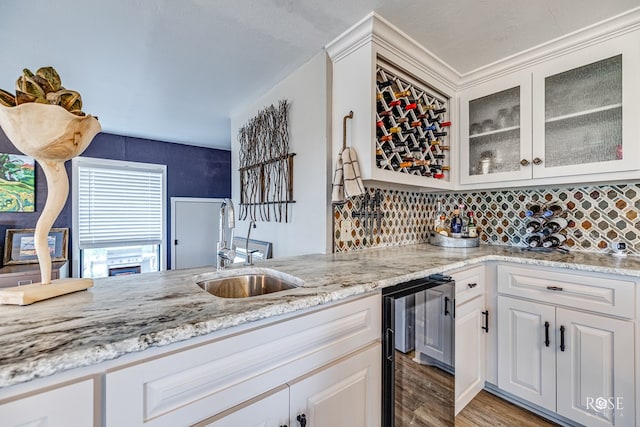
(127, 314)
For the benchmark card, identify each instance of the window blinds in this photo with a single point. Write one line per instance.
(120, 206)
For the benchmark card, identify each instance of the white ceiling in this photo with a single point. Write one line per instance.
(176, 70)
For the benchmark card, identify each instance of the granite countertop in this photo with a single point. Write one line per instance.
(126, 314)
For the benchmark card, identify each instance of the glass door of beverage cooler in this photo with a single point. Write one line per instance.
(417, 390)
(584, 122)
(496, 131)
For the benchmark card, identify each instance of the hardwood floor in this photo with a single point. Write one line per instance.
(424, 398)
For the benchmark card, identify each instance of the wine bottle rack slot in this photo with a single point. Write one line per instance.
(412, 130)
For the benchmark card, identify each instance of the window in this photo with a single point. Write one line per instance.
(118, 217)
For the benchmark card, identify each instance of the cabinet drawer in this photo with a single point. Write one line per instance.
(196, 383)
(67, 406)
(576, 289)
(469, 284)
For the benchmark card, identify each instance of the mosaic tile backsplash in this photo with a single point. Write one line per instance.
(597, 216)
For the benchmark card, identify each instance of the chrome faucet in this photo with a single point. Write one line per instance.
(227, 220)
(249, 260)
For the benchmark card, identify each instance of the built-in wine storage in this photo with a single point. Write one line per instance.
(412, 129)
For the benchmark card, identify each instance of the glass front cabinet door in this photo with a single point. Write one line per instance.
(495, 130)
(576, 115)
(585, 114)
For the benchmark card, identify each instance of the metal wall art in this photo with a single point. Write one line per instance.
(266, 166)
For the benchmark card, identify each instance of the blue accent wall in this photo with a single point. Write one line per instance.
(191, 172)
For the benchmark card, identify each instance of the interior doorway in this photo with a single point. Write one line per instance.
(194, 231)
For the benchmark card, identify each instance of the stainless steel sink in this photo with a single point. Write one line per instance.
(245, 285)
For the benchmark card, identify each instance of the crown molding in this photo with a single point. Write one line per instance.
(374, 28)
(352, 39)
(588, 36)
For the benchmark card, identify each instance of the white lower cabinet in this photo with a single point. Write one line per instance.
(198, 384)
(526, 359)
(577, 364)
(345, 393)
(595, 369)
(67, 406)
(471, 328)
(470, 351)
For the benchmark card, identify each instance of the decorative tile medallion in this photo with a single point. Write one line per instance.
(597, 216)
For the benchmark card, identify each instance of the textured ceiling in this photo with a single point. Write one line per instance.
(176, 70)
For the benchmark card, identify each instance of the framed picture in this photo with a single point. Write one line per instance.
(17, 183)
(19, 245)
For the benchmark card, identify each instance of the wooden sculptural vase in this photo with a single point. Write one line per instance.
(51, 135)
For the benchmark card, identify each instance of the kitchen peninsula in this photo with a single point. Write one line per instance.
(125, 320)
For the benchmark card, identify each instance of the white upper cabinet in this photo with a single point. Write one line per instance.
(495, 128)
(572, 118)
(585, 110)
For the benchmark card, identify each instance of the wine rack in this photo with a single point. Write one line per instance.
(411, 127)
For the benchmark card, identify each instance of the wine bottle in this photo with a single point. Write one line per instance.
(411, 106)
(556, 224)
(534, 241)
(417, 123)
(462, 207)
(471, 226)
(436, 134)
(395, 103)
(554, 240)
(533, 226)
(456, 224)
(393, 162)
(395, 129)
(389, 150)
(440, 220)
(406, 164)
(402, 94)
(444, 124)
(438, 111)
(385, 113)
(534, 210)
(554, 211)
(386, 83)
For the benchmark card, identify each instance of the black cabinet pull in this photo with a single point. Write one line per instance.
(486, 321)
(446, 306)
(472, 285)
(302, 419)
(561, 338)
(555, 288)
(454, 308)
(546, 334)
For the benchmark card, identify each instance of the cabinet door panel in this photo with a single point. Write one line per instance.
(266, 411)
(526, 366)
(68, 406)
(434, 325)
(344, 394)
(470, 352)
(595, 385)
(583, 120)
